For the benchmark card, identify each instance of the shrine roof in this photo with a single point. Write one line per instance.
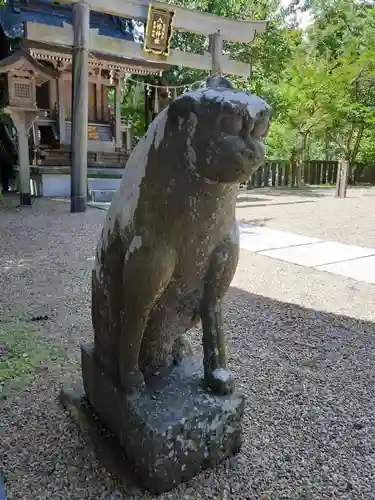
(15, 12)
(22, 60)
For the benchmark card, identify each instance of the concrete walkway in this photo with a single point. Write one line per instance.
(349, 261)
(344, 260)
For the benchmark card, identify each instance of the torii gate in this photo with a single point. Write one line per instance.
(83, 40)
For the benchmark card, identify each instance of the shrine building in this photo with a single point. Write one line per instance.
(37, 44)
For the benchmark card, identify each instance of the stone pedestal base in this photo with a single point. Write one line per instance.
(174, 429)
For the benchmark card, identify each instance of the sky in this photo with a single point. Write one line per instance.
(303, 18)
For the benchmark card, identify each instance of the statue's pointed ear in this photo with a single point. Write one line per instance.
(217, 82)
(182, 107)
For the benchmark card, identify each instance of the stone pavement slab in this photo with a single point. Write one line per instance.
(257, 239)
(359, 269)
(318, 254)
(350, 221)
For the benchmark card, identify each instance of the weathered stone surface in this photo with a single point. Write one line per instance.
(174, 428)
(98, 436)
(169, 246)
(167, 255)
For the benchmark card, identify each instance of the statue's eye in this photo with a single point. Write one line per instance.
(231, 124)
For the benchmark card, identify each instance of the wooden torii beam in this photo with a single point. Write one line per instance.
(101, 44)
(184, 19)
(218, 28)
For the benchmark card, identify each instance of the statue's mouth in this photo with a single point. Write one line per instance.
(255, 130)
(245, 136)
(251, 132)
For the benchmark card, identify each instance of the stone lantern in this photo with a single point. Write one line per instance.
(22, 74)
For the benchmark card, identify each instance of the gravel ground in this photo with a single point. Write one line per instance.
(300, 343)
(313, 212)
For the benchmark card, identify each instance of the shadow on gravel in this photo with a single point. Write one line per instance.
(309, 431)
(255, 222)
(254, 199)
(309, 381)
(271, 203)
(305, 192)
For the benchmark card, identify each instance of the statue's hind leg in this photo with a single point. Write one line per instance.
(221, 271)
(159, 348)
(147, 272)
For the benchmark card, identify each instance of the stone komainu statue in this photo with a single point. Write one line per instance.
(169, 246)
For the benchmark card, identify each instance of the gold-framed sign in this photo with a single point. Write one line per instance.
(158, 30)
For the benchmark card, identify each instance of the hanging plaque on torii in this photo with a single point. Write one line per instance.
(158, 31)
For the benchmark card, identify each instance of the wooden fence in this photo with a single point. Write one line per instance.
(279, 173)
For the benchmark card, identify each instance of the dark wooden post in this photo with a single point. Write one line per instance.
(312, 167)
(286, 173)
(279, 174)
(324, 172)
(266, 171)
(80, 101)
(273, 169)
(318, 173)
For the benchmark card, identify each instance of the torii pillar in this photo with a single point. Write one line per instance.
(216, 49)
(80, 106)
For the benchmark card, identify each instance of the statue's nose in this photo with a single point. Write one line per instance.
(260, 128)
(255, 128)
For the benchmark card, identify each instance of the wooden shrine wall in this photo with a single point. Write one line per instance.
(98, 100)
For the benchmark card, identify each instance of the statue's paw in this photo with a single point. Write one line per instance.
(133, 382)
(220, 381)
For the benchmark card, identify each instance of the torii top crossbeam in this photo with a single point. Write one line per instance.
(184, 19)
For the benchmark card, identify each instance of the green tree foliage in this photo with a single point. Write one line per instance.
(268, 54)
(320, 83)
(327, 95)
(133, 105)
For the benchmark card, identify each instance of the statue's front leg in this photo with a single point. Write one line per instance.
(147, 273)
(220, 274)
